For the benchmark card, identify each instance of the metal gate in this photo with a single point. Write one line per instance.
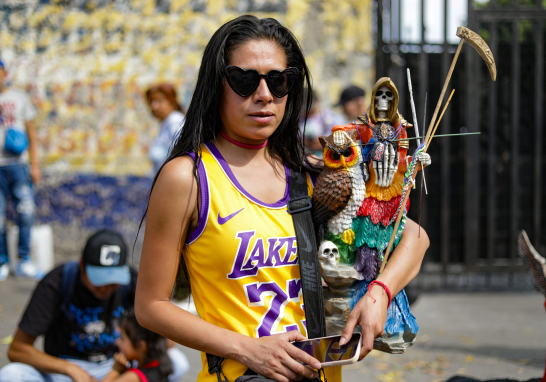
(482, 189)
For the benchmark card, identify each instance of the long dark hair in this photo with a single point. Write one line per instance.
(203, 121)
(157, 345)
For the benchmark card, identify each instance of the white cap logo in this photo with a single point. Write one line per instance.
(109, 255)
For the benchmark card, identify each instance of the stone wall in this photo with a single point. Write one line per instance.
(86, 64)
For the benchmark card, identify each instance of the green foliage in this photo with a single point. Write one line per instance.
(485, 33)
(346, 252)
(505, 32)
(481, 4)
(526, 31)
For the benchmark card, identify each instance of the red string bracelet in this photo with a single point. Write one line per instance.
(384, 286)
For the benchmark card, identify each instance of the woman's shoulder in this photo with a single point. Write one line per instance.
(177, 173)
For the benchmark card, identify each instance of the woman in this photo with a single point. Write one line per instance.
(226, 208)
(165, 107)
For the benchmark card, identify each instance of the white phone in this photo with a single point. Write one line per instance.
(328, 351)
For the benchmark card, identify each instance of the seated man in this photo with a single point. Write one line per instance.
(77, 307)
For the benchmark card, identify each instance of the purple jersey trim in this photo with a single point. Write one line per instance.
(225, 167)
(313, 179)
(205, 202)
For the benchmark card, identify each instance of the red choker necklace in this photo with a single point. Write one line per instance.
(243, 145)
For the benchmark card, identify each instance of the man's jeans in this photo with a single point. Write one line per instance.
(20, 372)
(15, 182)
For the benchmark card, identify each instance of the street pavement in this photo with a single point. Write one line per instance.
(480, 335)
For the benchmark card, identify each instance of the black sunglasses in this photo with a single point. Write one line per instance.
(244, 82)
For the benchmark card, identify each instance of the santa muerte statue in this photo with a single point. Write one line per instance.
(360, 204)
(355, 204)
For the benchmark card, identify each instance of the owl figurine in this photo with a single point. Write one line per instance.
(361, 234)
(340, 188)
(338, 194)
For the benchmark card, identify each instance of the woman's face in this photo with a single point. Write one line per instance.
(160, 105)
(256, 117)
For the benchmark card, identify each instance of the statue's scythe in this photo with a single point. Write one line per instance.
(483, 49)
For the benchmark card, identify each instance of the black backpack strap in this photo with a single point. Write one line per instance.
(299, 206)
(71, 272)
(215, 366)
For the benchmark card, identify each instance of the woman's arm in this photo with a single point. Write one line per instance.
(172, 212)
(403, 266)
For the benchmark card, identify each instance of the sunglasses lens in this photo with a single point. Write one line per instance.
(244, 82)
(280, 83)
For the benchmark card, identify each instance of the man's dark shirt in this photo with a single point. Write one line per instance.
(92, 329)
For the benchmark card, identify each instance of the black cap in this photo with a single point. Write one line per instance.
(105, 257)
(349, 94)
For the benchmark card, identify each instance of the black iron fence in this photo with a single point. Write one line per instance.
(482, 189)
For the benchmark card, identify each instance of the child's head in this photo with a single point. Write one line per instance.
(143, 345)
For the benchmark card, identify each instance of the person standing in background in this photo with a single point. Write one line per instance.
(165, 107)
(352, 101)
(319, 122)
(17, 115)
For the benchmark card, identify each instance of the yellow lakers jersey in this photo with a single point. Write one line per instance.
(242, 261)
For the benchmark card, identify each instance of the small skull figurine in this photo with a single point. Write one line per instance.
(383, 97)
(328, 254)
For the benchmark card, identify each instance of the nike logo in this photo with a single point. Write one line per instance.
(308, 247)
(223, 221)
(309, 275)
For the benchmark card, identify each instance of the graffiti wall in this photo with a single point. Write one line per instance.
(87, 63)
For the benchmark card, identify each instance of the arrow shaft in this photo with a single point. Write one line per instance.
(416, 128)
(448, 78)
(428, 138)
(441, 116)
(396, 225)
(437, 136)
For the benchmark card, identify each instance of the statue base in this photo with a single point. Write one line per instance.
(337, 306)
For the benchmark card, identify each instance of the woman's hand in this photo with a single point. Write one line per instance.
(402, 267)
(273, 357)
(370, 315)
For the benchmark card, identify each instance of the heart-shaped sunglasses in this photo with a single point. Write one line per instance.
(244, 82)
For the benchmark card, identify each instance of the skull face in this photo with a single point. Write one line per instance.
(383, 97)
(328, 253)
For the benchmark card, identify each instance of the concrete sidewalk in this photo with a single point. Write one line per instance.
(482, 335)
